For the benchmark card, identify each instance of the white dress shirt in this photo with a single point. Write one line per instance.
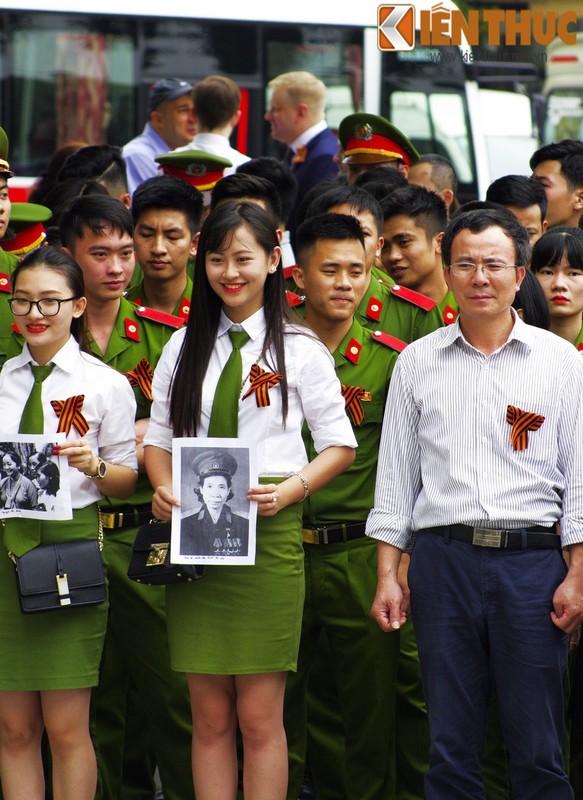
(109, 408)
(313, 395)
(445, 454)
(217, 145)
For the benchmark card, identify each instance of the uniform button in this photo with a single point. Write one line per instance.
(185, 309)
(132, 328)
(354, 350)
(374, 307)
(449, 315)
(396, 287)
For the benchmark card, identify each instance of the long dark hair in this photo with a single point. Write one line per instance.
(554, 244)
(58, 261)
(203, 322)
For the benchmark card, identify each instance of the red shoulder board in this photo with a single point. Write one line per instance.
(287, 271)
(389, 341)
(293, 299)
(352, 352)
(184, 309)
(374, 308)
(131, 329)
(418, 299)
(159, 316)
(5, 282)
(449, 315)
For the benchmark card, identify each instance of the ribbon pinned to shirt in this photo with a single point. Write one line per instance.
(522, 422)
(69, 413)
(261, 382)
(141, 375)
(353, 397)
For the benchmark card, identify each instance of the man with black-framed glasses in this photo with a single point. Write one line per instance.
(480, 468)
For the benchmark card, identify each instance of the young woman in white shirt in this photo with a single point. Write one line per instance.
(236, 632)
(50, 661)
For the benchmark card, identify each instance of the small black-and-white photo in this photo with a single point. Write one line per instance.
(34, 483)
(215, 521)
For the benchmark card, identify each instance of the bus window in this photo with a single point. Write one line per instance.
(67, 84)
(435, 123)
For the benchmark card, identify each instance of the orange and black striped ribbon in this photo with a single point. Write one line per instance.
(352, 401)
(69, 413)
(522, 422)
(141, 375)
(261, 382)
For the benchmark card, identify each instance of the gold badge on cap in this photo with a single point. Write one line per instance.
(198, 170)
(363, 131)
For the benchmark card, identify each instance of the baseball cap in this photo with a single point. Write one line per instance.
(166, 89)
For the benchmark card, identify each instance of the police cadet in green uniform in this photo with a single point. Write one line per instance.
(414, 221)
(167, 215)
(97, 233)
(340, 566)
(385, 306)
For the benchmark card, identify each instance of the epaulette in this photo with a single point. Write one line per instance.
(418, 299)
(159, 316)
(389, 341)
(294, 299)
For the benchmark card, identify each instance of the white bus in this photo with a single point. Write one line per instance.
(81, 71)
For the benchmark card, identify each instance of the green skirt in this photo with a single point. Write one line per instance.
(57, 649)
(241, 620)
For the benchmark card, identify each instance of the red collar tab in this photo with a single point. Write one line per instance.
(352, 352)
(374, 308)
(287, 272)
(389, 341)
(160, 316)
(131, 329)
(449, 315)
(5, 282)
(184, 309)
(293, 299)
(418, 299)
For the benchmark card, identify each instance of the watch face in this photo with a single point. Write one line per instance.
(101, 469)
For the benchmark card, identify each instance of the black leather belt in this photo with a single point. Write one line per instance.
(333, 534)
(127, 516)
(534, 537)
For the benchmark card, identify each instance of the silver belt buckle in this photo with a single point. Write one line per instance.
(487, 537)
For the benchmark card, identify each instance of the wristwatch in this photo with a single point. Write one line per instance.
(100, 471)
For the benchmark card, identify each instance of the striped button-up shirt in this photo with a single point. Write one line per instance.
(446, 456)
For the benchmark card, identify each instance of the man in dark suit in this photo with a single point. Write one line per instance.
(296, 116)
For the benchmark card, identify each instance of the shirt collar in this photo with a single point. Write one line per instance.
(66, 358)
(253, 325)
(308, 135)
(521, 332)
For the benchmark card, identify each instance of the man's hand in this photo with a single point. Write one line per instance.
(568, 603)
(389, 607)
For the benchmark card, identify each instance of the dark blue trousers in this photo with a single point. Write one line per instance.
(482, 619)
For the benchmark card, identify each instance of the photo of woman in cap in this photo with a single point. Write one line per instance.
(214, 529)
(241, 369)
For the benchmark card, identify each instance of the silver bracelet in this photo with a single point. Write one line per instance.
(304, 484)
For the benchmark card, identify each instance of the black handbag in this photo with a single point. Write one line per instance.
(150, 562)
(60, 575)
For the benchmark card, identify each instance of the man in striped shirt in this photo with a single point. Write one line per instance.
(481, 457)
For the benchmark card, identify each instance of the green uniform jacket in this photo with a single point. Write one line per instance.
(363, 360)
(11, 342)
(134, 349)
(137, 295)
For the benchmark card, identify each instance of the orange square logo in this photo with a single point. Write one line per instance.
(396, 27)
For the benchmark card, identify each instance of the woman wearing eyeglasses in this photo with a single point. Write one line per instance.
(49, 662)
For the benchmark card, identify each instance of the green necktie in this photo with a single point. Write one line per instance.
(32, 420)
(225, 411)
(21, 535)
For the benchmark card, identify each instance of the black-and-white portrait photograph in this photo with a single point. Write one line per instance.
(34, 483)
(215, 522)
